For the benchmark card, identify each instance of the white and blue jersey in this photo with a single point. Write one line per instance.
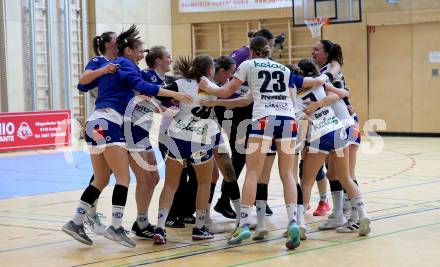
(142, 117)
(273, 114)
(193, 131)
(341, 110)
(326, 132)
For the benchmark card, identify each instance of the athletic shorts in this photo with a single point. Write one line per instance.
(102, 132)
(356, 118)
(219, 141)
(137, 139)
(353, 135)
(330, 142)
(274, 127)
(195, 153)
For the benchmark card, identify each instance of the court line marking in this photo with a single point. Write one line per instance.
(336, 245)
(226, 247)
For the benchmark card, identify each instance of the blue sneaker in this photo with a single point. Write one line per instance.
(241, 233)
(293, 236)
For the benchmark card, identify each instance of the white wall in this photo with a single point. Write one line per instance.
(152, 17)
(14, 56)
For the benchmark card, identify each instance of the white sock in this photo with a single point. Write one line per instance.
(236, 204)
(93, 208)
(354, 216)
(323, 196)
(162, 215)
(300, 214)
(347, 203)
(200, 218)
(261, 213)
(338, 200)
(245, 214)
(117, 214)
(292, 212)
(208, 213)
(80, 212)
(358, 203)
(142, 220)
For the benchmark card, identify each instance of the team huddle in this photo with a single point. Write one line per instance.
(300, 113)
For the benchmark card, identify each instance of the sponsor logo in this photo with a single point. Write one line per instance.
(325, 122)
(153, 79)
(320, 114)
(268, 64)
(24, 131)
(278, 106)
(117, 215)
(243, 215)
(200, 154)
(181, 124)
(81, 211)
(273, 97)
(144, 108)
(7, 130)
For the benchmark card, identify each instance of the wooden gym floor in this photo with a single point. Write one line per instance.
(401, 186)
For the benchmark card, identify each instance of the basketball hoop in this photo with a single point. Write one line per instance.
(315, 25)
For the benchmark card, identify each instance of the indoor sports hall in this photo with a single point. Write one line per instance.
(390, 67)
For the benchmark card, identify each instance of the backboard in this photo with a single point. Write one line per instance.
(338, 11)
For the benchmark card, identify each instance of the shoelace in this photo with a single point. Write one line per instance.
(81, 229)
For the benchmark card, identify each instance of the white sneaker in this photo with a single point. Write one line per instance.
(214, 227)
(364, 226)
(333, 223)
(302, 232)
(349, 227)
(260, 233)
(94, 224)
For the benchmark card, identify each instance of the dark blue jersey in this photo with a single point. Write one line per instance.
(116, 90)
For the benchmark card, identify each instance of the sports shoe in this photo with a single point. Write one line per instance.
(333, 223)
(77, 232)
(364, 226)
(269, 211)
(322, 209)
(214, 227)
(225, 209)
(160, 236)
(189, 220)
(349, 227)
(201, 233)
(302, 232)
(293, 236)
(241, 233)
(146, 233)
(174, 223)
(120, 236)
(94, 223)
(260, 233)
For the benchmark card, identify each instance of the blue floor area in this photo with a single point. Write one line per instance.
(49, 173)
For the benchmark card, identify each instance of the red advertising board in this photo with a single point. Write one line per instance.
(34, 130)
